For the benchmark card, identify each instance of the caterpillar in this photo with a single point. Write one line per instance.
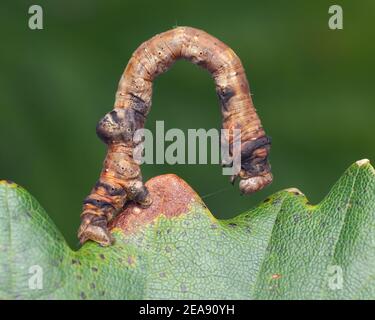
(121, 179)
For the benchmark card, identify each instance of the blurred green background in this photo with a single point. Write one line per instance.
(313, 88)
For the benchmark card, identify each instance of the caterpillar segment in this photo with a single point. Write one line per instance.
(121, 179)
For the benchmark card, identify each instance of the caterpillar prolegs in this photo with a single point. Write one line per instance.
(121, 179)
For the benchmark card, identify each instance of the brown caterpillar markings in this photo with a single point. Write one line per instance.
(121, 178)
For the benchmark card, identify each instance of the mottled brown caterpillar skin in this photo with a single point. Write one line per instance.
(121, 179)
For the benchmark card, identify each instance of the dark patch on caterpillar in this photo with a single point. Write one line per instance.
(115, 127)
(248, 147)
(112, 191)
(141, 195)
(202, 64)
(97, 220)
(135, 120)
(138, 104)
(115, 117)
(225, 94)
(255, 167)
(102, 133)
(98, 203)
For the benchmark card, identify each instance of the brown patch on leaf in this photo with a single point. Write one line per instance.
(276, 276)
(171, 196)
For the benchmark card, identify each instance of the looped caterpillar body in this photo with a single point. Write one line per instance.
(121, 179)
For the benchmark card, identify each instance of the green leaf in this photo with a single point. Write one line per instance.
(285, 248)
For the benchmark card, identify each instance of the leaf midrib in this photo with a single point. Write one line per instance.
(254, 292)
(324, 293)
